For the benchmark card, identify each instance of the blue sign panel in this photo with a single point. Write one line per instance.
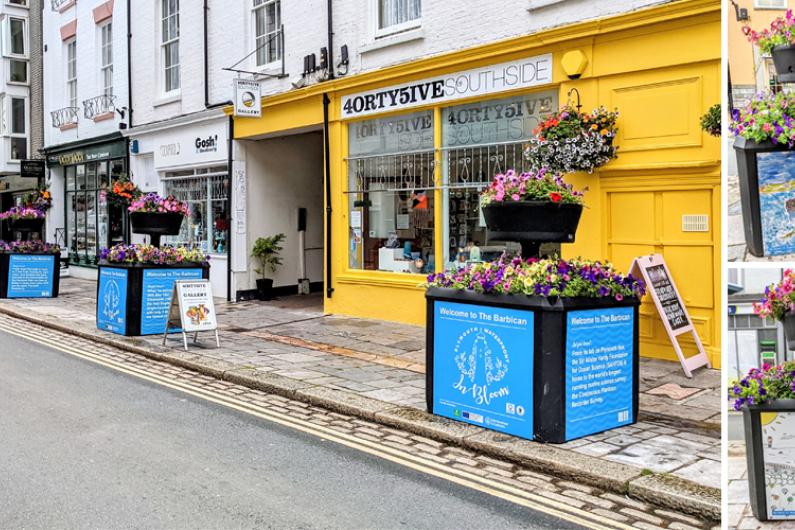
(599, 370)
(112, 300)
(156, 297)
(776, 172)
(30, 276)
(483, 366)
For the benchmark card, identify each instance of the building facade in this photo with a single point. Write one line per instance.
(85, 106)
(404, 160)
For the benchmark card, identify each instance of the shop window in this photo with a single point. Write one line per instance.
(397, 15)
(267, 25)
(106, 59)
(207, 192)
(391, 193)
(480, 140)
(169, 45)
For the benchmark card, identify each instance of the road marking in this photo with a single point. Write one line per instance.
(417, 463)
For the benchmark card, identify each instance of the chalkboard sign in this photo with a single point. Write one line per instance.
(673, 310)
(661, 287)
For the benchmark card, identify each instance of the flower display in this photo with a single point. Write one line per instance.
(28, 247)
(154, 203)
(540, 185)
(779, 299)
(542, 277)
(781, 33)
(764, 384)
(570, 141)
(22, 212)
(150, 255)
(122, 193)
(766, 117)
(710, 121)
(40, 199)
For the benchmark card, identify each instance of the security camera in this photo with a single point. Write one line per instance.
(298, 81)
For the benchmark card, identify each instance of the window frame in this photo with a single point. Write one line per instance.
(10, 81)
(71, 77)
(106, 69)
(782, 7)
(9, 111)
(379, 32)
(165, 46)
(25, 5)
(255, 9)
(8, 41)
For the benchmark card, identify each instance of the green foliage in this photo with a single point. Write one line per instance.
(266, 252)
(710, 122)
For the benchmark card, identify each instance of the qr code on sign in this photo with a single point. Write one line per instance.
(623, 415)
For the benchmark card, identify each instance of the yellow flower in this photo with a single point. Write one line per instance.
(603, 132)
(594, 127)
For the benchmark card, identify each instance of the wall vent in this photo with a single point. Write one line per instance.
(695, 223)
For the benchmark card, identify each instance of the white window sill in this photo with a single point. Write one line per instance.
(165, 100)
(538, 4)
(392, 40)
(269, 69)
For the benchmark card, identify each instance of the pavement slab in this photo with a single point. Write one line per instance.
(294, 352)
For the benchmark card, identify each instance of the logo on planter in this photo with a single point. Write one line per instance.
(111, 300)
(483, 366)
(483, 361)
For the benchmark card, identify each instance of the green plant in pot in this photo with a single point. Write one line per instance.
(266, 251)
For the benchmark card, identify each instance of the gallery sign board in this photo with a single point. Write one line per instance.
(192, 310)
(248, 97)
(522, 73)
(660, 285)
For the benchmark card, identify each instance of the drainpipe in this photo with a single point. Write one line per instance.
(129, 70)
(229, 209)
(330, 41)
(206, 58)
(327, 156)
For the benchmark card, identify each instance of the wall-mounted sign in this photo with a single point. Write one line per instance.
(88, 154)
(675, 319)
(32, 169)
(199, 143)
(523, 73)
(248, 97)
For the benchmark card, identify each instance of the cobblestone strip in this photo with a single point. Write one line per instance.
(621, 509)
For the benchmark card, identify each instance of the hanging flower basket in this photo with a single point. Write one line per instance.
(26, 225)
(777, 41)
(784, 61)
(156, 223)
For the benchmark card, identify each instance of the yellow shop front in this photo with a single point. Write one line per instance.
(410, 147)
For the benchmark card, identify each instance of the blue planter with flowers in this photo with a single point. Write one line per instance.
(29, 269)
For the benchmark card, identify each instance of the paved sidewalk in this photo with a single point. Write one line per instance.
(378, 367)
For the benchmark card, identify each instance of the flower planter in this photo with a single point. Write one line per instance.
(767, 194)
(30, 275)
(156, 224)
(133, 299)
(540, 368)
(770, 452)
(784, 61)
(26, 226)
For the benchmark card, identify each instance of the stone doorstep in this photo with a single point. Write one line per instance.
(665, 491)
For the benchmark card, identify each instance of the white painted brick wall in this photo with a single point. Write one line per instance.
(89, 79)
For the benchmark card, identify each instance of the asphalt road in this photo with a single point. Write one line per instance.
(82, 446)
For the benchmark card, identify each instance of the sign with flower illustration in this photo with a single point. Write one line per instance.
(191, 310)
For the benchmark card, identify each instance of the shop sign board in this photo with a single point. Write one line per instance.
(33, 169)
(30, 276)
(483, 366)
(112, 300)
(197, 144)
(523, 73)
(599, 370)
(676, 321)
(88, 154)
(191, 310)
(248, 97)
(156, 296)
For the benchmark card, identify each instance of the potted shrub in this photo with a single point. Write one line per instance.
(710, 121)
(531, 207)
(778, 42)
(764, 138)
(29, 269)
(569, 141)
(766, 398)
(266, 252)
(545, 349)
(157, 216)
(136, 282)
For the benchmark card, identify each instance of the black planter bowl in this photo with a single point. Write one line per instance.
(784, 61)
(539, 221)
(156, 224)
(26, 225)
(789, 330)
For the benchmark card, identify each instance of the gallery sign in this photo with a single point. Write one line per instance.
(248, 97)
(524, 73)
(191, 310)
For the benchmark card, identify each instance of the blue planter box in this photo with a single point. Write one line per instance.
(133, 300)
(551, 370)
(30, 275)
(770, 453)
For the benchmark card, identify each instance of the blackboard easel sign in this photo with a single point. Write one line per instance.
(673, 313)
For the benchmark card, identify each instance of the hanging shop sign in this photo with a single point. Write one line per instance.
(248, 95)
(191, 310)
(675, 318)
(32, 169)
(524, 73)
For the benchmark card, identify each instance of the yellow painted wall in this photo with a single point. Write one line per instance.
(741, 53)
(667, 167)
